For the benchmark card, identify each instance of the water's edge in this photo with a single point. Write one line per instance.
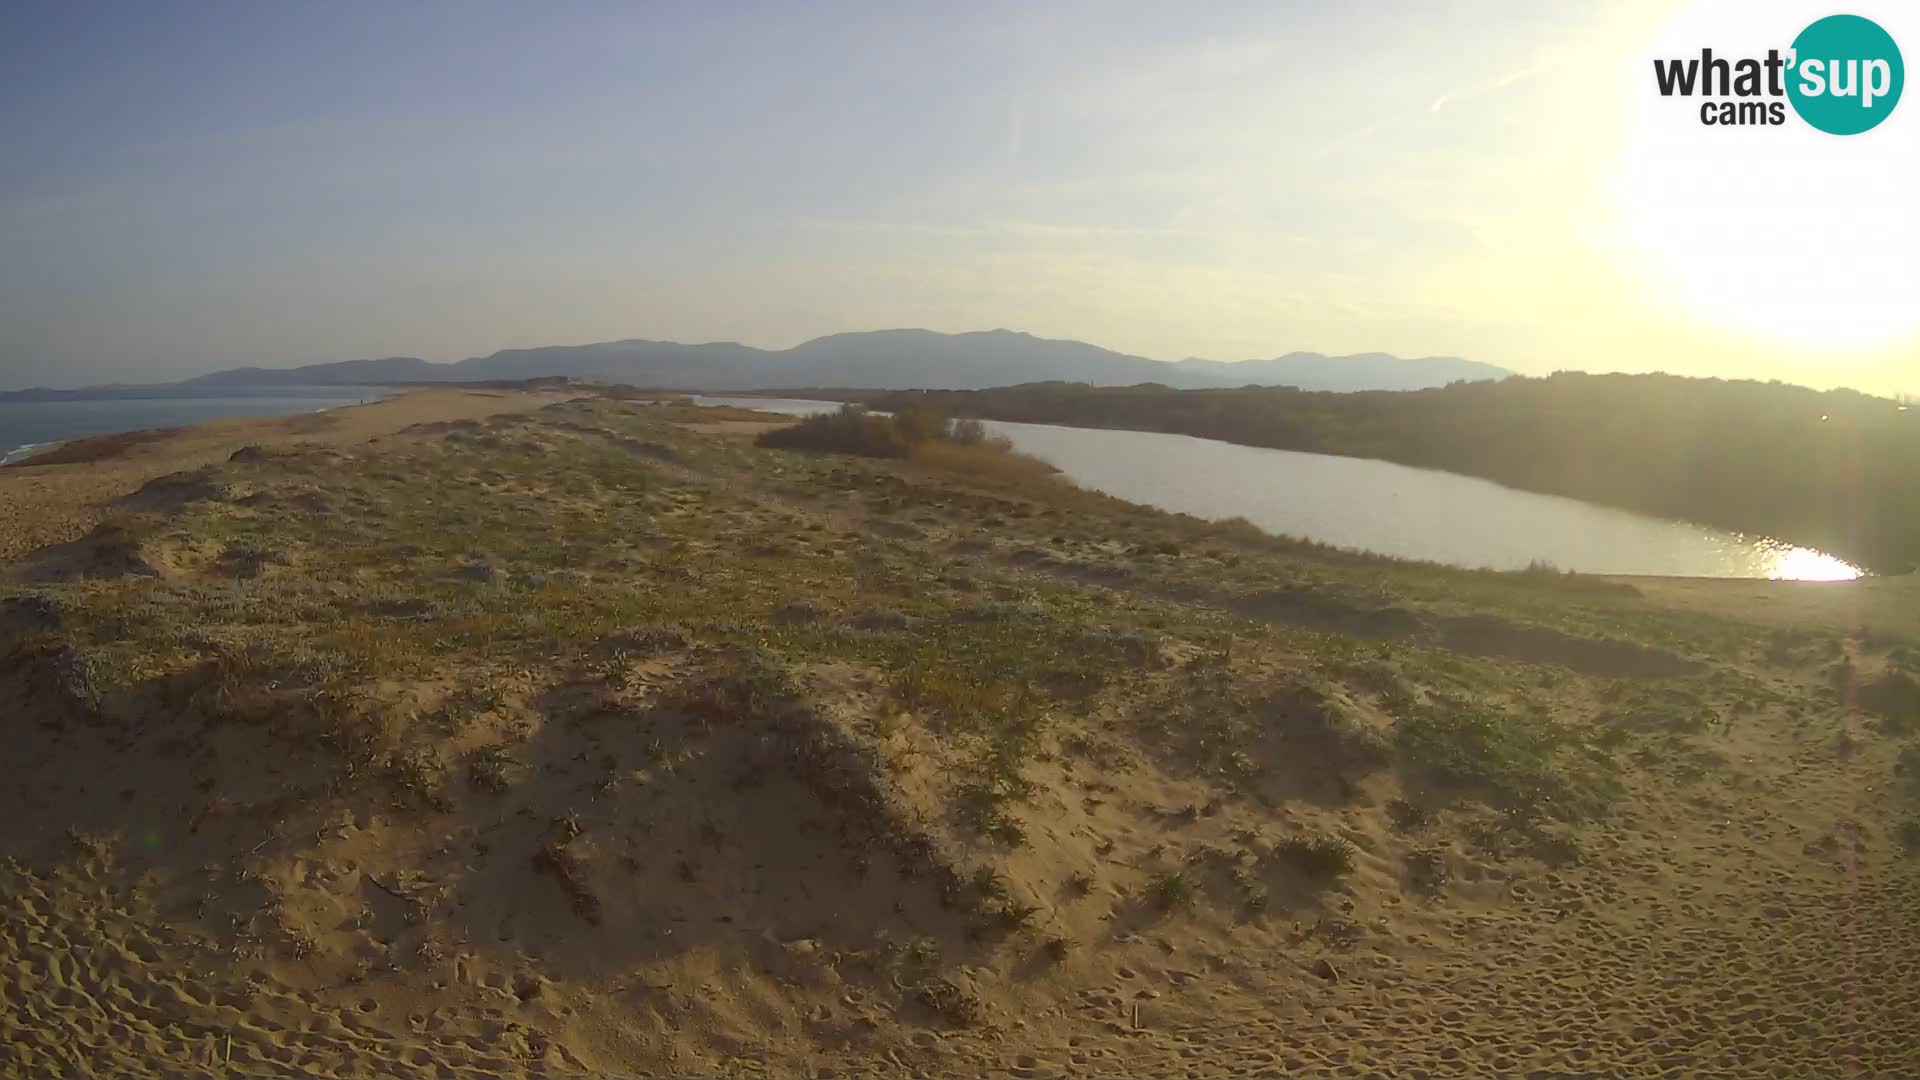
(1384, 508)
(140, 414)
(22, 453)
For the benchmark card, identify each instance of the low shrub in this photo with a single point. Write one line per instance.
(1895, 698)
(1316, 856)
(1170, 890)
(851, 430)
(1511, 759)
(918, 431)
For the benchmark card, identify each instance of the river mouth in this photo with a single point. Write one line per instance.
(1388, 509)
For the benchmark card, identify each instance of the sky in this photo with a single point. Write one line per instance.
(186, 187)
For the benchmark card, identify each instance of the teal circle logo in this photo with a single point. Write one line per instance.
(1846, 75)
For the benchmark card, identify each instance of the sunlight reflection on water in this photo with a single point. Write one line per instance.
(1806, 564)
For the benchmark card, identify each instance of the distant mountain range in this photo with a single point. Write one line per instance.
(1359, 371)
(880, 359)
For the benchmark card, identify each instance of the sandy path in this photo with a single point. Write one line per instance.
(51, 504)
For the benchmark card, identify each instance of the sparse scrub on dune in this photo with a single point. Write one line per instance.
(989, 885)
(851, 430)
(249, 558)
(490, 770)
(1220, 725)
(957, 1006)
(1427, 870)
(1908, 833)
(117, 547)
(418, 772)
(1313, 719)
(918, 432)
(72, 678)
(1012, 915)
(955, 693)
(989, 896)
(993, 460)
(1512, 759)
(750, 689)
(1170, 890)
(231, 681)
(1907, 767)
(1320, 856)
(984, 806)
(560, 861)
(1405, 816)
(95, 448)
(629, 392)
(1895, 698)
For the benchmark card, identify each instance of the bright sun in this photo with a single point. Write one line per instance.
(1780, 232)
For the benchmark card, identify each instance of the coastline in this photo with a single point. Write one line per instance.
(138, 413)
(25, 452)
(44, 504)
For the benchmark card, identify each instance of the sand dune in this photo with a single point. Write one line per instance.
(45, 504)
(539, 740)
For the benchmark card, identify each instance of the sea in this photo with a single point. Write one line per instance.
(30, 427)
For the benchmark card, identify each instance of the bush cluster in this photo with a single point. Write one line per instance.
(854, 430)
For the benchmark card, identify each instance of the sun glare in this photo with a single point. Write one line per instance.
(1776, 231)
(1806, 564)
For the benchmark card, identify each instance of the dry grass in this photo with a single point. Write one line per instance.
(985, 462)
(557, 859)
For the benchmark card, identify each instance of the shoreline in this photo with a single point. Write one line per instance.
(42, 504)
(23, 453)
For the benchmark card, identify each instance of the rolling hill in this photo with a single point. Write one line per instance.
(880, 359)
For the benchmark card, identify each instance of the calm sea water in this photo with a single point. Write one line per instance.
(1388, 509)
(25, 425)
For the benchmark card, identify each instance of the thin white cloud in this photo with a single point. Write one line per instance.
(989, 229)
(1483, 89)
(1465, 93)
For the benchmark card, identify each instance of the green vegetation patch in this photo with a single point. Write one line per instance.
(854, 430)
(1519, 763)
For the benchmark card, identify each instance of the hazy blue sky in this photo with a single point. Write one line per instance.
(192, 186)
